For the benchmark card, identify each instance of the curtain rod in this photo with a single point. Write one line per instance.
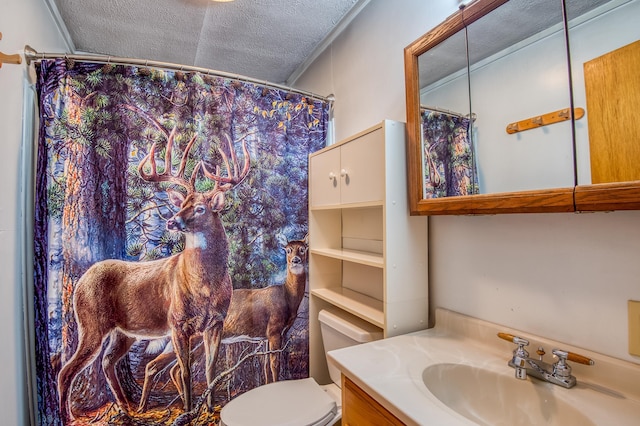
(31, 55)
(442, 110)
(447, 112)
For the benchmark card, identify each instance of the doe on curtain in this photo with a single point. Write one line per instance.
(170, 242)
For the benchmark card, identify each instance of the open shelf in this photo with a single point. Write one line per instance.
(365, 258)
(362, 205)
(358, 304)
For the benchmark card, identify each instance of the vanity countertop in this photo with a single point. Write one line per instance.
(391, 371)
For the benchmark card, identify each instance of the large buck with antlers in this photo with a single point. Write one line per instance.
(265, 313)
(181, 296)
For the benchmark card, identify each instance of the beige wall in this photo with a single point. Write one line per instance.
(21, 22)
(564, 276)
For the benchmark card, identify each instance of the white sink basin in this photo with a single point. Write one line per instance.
(456, 374)
(489, 398)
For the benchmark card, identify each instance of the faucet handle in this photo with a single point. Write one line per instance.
(520, 351)
(562, 370)
(514, 339)
(572, 356)
(520, 354)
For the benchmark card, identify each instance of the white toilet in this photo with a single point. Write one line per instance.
(302, 402)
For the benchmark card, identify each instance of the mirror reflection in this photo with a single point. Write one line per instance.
(528, 103)
(605, 58)
(517, 70)
(449, 167)
(525, 79)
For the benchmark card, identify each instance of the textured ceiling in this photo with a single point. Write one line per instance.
(263, 39)
(511, 23)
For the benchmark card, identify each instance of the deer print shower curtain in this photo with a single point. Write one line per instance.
(170, 242)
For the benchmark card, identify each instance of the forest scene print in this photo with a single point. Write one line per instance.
(170, 242)
(449, 167)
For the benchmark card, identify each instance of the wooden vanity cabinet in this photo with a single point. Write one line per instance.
(367, 255)
(360, 409)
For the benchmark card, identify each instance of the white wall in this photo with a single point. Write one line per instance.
(21, 22)
(364, 67)
(564, 276)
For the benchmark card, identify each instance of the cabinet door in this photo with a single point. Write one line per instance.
(324, 178)
(359, 409)
(362, 169)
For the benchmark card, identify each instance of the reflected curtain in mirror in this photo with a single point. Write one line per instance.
(447, 149)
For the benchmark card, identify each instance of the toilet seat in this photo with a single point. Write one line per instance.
(287, 403)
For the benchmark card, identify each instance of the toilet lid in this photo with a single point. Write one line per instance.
(287, 403)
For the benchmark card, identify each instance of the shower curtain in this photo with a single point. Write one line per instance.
(449, 165)
(125, 155)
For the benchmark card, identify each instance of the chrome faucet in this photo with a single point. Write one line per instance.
(558, 373)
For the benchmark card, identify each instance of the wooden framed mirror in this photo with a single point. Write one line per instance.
(474, 21)
(539, 171)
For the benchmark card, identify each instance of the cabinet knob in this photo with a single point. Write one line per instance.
(343, 173)
(332, 176)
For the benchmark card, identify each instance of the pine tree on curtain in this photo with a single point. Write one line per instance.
(98, 123)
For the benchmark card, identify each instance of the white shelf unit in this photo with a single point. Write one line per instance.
(367, 256)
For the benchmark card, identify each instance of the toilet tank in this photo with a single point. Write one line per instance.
(340, 329)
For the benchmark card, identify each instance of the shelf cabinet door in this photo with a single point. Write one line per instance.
(350, 173)
(324, 178)
(362, 169)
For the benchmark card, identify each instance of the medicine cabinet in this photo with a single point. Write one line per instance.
(507, 109)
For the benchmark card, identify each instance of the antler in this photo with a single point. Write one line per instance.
(166, 175)
(234, 176)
